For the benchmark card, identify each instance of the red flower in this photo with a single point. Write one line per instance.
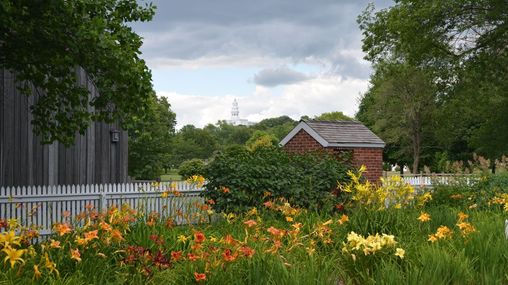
(176, 255)
(199, 276)
(247, 251)
(211, 202)
(192, 257)
(228, 256)
(199, 237)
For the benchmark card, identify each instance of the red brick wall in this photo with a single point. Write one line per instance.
(302, 142)
(372, 158)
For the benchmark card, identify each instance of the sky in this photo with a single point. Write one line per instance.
(276, 57)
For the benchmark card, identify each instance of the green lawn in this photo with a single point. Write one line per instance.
(171, 175)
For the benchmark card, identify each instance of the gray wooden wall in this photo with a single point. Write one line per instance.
(24, 161)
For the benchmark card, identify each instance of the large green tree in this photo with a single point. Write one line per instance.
(399, 107)
(462, 46)
(150, 141)
(44, 41)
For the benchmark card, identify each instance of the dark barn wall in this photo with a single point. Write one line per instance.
(94, 158)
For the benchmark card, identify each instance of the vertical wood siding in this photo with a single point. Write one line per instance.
(24, 161)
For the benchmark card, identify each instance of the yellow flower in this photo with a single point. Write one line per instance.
(13, 223)
(444, 232)
(424, 217)
(289, 219)
(164, 194)
(182, 238)
(9, 238)
(462, 216)
(400, 252)
(432, 238)
(13, 255)
(50, 265)
(466, 228)
(75, 255)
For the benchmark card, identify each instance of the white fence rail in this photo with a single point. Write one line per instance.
(45, 205)
(423, 181)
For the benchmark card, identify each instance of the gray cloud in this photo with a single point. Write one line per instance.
(293, 31)
(271, 77)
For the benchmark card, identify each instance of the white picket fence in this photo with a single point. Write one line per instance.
(45, 205)
(429, 181)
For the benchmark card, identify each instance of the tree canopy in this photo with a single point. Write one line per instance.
(43, 42)
(461, 47)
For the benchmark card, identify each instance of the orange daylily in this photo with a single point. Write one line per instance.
(250, 223)
(62, 229)
(75, 255)
(199, 276)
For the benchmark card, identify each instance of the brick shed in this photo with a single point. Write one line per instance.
(338, 137)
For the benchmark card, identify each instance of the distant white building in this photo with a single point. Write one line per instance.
(235, 117)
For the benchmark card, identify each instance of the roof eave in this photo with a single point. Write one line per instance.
(365, 145)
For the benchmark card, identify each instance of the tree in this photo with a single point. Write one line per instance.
(333, 116)
(150, 141)
(399, 107)
(44, 41)
(461, 45)
(261, 139)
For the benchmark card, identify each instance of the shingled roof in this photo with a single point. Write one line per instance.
(337, 134)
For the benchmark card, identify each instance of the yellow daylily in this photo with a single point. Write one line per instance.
(37, 273)
(13, 255)
(9, 238)
(400, 252)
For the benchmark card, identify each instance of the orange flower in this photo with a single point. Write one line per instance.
(199, 237)
(66, 214)
(268, 204)
(116, 235)
(250, 223)
(228, 257)
(54, 244)
(199, 276)
(105, 226)
(75, 254)
(176, 255)
(344, 219)
(225, 190)
(247, 251)
(211, 202)
(275, 232)
(192, 257)
(91, 235)
(62, 229)
(228, 239)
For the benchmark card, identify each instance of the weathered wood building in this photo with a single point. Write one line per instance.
(99, 156)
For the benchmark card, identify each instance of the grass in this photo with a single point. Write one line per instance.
(171, 175)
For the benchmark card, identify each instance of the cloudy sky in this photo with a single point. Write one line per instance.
(276, 57)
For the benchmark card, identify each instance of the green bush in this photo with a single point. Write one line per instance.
(239, 179)
(191, 167)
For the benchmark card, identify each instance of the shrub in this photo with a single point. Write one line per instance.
(191, 167)
(239, 179)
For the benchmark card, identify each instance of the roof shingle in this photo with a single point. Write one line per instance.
(344, 132)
